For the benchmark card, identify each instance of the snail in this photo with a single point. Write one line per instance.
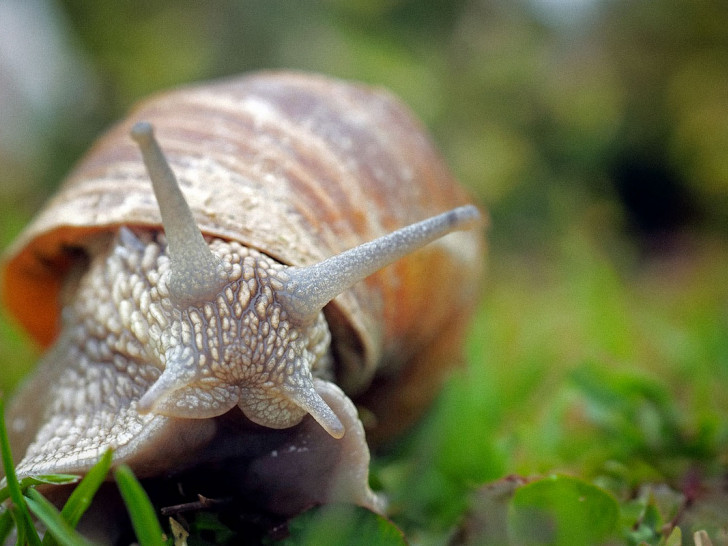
(222, 293)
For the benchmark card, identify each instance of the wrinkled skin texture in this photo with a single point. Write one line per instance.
(120, 331)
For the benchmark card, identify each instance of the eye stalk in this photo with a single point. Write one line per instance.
(309, 289)
(197, 274)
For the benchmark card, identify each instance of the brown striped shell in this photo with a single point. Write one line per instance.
(299, 167)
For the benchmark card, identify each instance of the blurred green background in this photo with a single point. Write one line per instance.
(595, 132)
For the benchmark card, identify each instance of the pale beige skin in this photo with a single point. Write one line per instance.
(193, 328)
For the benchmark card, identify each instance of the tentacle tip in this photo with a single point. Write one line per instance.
(326, 417)
(335, 429)
(155, 395)
(145, 404)
(462, 217)
(311, 402)
(142, 131)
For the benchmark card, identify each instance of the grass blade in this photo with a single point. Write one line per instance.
(20, 526)
(6, 525)
(143, 517)
(82, 496)
(55, 524)
(54, 479)
(23, 521)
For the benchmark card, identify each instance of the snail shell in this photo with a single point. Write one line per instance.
(277, 168)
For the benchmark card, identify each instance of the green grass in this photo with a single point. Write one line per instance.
(143, 516)
(610, 370)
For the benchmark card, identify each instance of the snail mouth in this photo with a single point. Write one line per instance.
(273, 406)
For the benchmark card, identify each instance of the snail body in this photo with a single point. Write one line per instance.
(237, 313)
